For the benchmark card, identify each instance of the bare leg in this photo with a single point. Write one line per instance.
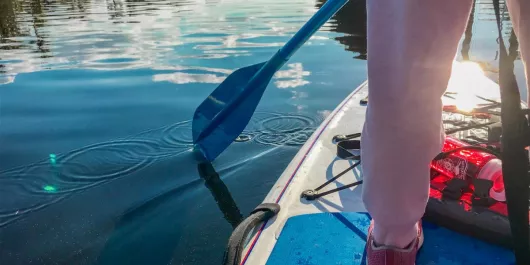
(411, 47)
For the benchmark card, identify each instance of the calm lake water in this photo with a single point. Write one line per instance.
(96, 98)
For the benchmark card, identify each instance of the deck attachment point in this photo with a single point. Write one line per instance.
(343, 137)
(310, 195)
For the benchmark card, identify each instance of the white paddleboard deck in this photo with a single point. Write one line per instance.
(316, 162)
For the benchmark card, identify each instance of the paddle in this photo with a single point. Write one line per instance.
(224, 114)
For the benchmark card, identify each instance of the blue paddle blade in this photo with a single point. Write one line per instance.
(227, 130)
(227, 111)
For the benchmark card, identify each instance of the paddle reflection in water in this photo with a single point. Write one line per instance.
(221, 194)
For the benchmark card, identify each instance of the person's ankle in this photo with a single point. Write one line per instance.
(377, 245)
(394, 237)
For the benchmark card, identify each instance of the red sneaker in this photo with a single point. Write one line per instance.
(384, 255)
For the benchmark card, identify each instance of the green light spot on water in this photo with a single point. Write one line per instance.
(49, 188)
(53, 159)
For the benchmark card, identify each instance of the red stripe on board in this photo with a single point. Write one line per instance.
(254, 243)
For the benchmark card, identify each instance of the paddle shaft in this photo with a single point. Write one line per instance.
(263, 76)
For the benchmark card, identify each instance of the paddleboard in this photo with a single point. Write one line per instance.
(332, 229)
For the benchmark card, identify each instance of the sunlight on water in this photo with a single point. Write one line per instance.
(96, 102)
(466, 98)
(469, 77)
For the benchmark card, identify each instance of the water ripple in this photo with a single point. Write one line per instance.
(178, 135)
(36, 186)
(275, 129)
(106, 161)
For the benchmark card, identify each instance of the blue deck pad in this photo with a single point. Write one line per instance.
(340, 238)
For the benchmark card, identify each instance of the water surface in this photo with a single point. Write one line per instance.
(96, 99)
